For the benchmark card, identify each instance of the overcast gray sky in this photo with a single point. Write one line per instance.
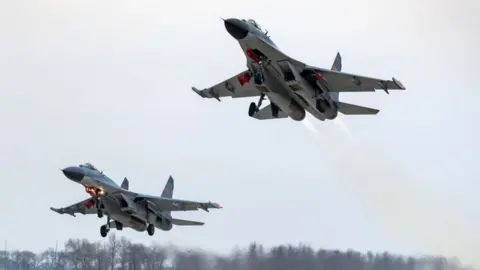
(109, 82)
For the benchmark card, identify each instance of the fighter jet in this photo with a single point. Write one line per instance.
(124, 208)
(292, 87)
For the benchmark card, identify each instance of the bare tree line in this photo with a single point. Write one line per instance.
(122, 254)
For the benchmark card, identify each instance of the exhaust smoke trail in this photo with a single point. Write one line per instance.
(308, 124)
(339, 123)
(400, 201)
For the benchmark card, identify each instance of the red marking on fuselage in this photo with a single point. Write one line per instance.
(89, 204)
(318, 76)
(255, 58)
(244, 78)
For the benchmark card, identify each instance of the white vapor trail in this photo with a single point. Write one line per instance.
(339, 123)
(306, 122)
(405, 205)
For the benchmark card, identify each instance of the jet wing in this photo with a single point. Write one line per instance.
(84, 207)
(345, 82)
(275, 55)
(166, 204)
(238, 86)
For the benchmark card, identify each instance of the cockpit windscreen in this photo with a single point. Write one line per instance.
(89, 166)
(253, 23)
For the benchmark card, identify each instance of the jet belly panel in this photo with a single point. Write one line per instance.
(306, 92)
(129, 206)
(274, 81)
(130, 221)
(279, 94)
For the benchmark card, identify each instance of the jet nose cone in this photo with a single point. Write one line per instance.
(236, 28)
(74, 173)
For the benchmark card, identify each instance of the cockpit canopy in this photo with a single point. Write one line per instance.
(254, 23)
(89, 166)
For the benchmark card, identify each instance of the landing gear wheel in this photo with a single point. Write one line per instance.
(255, 107)
(99, 213)
(252, 109)
(104, 230)
(259, 78)
(150, 229)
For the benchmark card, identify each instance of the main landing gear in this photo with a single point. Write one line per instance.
(104, 229)
(255, 107)
(150, 227)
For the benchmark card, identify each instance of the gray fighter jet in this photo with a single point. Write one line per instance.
(291, 86)
(125, 208)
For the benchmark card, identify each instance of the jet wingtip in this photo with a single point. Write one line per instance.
(398, 83)
(206, 93)
(216, 205)
(197, 91)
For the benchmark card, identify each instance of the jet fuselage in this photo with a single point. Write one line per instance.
(259, 51)
(101, 187)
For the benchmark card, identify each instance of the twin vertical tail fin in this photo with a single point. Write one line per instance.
(346, 108)
(125, 184)
(168, 193)
(168, 189)
(337, 66)
(337, 63)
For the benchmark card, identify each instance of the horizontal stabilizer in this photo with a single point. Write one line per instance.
(347, 108)
(181, 222)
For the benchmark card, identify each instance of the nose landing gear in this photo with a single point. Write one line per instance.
(100, 207)
(258, 78)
